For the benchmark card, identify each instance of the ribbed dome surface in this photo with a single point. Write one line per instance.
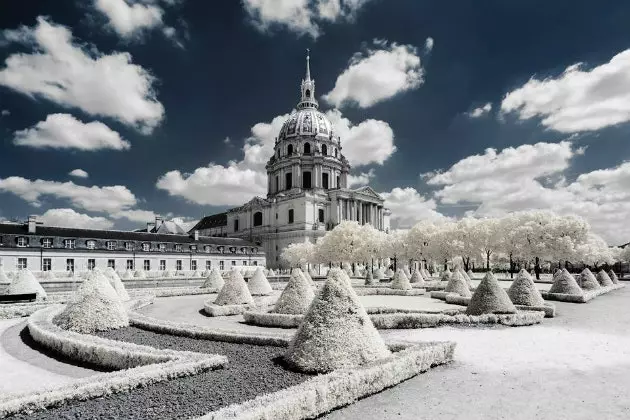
(306, 122)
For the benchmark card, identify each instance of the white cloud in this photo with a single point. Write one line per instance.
(428, 45)
(371, 141)
(105, 199)
(576, 100)
(140, 216)
(408, 207)
(74, 76)
(360, 180)
(78, 173)
(300, 16)
(377, 75)
(70, 218)
(5, 113)
(63, 131)
(186, 223)
(129, 18)
(480, 111)
(227, 140)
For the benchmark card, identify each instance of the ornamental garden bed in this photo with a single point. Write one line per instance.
(366, 291)
(549, 309)
(431, 320)
(583, 298)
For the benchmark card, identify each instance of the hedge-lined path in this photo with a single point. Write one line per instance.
(573, 367)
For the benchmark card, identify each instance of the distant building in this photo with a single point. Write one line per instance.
(38, 247)
(307, 188)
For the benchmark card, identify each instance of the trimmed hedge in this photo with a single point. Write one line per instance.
(583, 298)
(416, 320)
(366, 291)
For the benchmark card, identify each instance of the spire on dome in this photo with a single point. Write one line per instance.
(308, 87)
(308, 65)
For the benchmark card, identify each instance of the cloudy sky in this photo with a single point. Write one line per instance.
(112, 111)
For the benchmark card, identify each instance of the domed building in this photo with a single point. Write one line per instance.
(307, 188)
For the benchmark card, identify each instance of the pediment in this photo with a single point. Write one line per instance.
(368, 191)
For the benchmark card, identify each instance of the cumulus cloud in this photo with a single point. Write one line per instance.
(300, 16)
(135, 215)
(408, 207)
(70, 218)
(78, 173)
(376, 75)
(361, 179)
(104, 199)
(74, 76)
(5, 113)
(480, 111)
(428, 45)
(577, 100)
(63, 131)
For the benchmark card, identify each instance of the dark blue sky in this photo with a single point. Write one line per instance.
(230, 75)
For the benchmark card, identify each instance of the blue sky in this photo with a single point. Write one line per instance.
(448, 108)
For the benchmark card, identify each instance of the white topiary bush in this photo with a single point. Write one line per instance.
(312, 273)
(389, 273)
(466, 277)
(296, 296)
(446, 275)
(336, 331)
(127, 275)
(457, 284)
(604, 279)
(369, 279)
(523, 291)
(587, 280)
(140, 274)
(168, 274)
(214, 280)
(401, 281)
(470, 274)
(308, 278)
(196, 274)
(564, 283)
(95, 279)
(426, 274)
(613, 277)
(272, 273)
(416, 278)
(117, 284)
(406, 270)
(234, 291)
(3, 275)
(490, 298)
(25, 282)
(258, 284)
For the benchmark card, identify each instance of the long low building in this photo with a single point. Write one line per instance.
(47, 248)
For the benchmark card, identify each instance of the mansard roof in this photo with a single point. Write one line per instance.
(208, 222)
(254, 203)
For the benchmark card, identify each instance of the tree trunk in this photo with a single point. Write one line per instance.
(488, 260)
(445, 264)
(537, 268)
(511, 267)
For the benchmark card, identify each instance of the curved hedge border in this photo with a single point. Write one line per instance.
(418, 320)
(368, 291)
(142, 365)
(324, 393)
(549, 309)
(583, 298)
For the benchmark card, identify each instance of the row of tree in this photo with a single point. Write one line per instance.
(522, 239)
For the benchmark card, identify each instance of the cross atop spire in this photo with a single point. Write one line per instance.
(308, 86)
(308, 65)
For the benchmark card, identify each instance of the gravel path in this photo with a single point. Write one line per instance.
(252, 371)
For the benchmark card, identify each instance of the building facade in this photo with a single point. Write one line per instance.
(307, 187)
(46, 248)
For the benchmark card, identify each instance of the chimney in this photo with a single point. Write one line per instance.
(196, 235)
(158, 222)
(32, 223)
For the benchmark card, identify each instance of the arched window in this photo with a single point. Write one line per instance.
(258, 218)
(290, 150)
(308, 93)
(335, 152)
(324, 150)
(307, 148)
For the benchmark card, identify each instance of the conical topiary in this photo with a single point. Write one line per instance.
(389, 273)
(613, 277)
(523, 291)
(470, 274)
(336, 331)
(272, 273)
(406, 270)
(426, 274)
(214, 280)
(25, 282)
(234, 291)
(457, 284)
(116, 283)
(296, 296)
(258, 284)
(490, 298)
(565, 283)
(95, 279)
(416, 278)
(379, 274)
(465, 276)
(604, 279)
(308, 277)
(127, 275)
(140, 274)
(369, 279)
(401, 281)
(587, 280)
(446, 275)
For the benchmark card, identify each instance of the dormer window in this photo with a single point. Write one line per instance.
(206, 249)
(254, 250)
(146, 247)
(221, 249)
(178, 248)
(47, 243)
(90, 244)
(162, 247)
(129, 246)
(111, 245)
(193, 247)
(22, 241)
(243, 250)
(233, 249)
(69, 243)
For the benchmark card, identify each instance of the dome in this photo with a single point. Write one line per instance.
(306, 122)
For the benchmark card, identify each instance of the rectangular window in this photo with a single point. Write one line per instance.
(325, 181)
(91, 264)
(22, 241)
(162, 247)
(233, 263)
(129, 246)
(306, 180)
(47, 243)
(69, 244)
(277, 183)
(111, 264)
(162, 265)
(290, 215)
(338, 185)
(129, 264)
(221, 265)
(208, 265)
(178, 265)
(255, 263)
(90, 244)
(288, 181)
(193, 265)
(70, 264)
(147, 265)
(321, 215)
(235, 225)
(146, 247)
(111, 245)
(178, 248)
(22, 264)
(46, 264)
